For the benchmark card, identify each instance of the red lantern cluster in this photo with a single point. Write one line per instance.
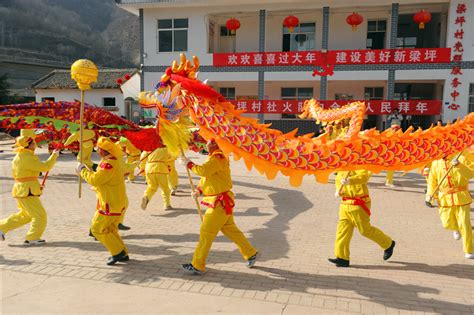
(421, 18)
(126, 77)
(232, 25)
(354, 20)
(291, 22)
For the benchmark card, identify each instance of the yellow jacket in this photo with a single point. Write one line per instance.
(109, 185)
(87, 138)
(130, 149)
(454, 190)
(157, 162)
(26, 167)
(356, 188)
(215, 177)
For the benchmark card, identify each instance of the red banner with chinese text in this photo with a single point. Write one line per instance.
(338, 57)
(378, 107)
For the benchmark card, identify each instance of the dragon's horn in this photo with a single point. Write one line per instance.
(174, 66)
(182, 62)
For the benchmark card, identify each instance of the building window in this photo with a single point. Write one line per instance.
(228, 93)
(373, 93)
(301, 39)
(376, 34)
(410, 36)
(471, 97)
(44, 99)
(108, 101)
(226, 40)
(295, 94)
(172, 35)
(343, 97)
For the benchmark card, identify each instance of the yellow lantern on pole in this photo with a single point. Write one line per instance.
(84, 72)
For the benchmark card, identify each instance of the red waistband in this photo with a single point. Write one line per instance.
(358, 201)
(225, 199)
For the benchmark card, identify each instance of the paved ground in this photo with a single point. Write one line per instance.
(293, 228)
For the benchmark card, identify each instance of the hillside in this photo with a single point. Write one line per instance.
(66, 30)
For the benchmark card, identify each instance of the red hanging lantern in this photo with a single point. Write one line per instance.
(291, 22)
(127, 77)
(232, 25)
(119, 81)
(422, 18)
(354, 19)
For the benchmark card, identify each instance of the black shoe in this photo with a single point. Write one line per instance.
(339, 262)
(190, 269)
(389, 251)
(123, 227)
(126, 258)
(92, 235)
(122, 256)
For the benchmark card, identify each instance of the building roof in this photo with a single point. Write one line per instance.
(61, 79)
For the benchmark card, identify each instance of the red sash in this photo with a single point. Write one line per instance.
(358, 201)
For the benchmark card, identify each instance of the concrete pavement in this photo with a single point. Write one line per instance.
(294, 228)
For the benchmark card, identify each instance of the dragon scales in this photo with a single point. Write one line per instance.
(270, 151)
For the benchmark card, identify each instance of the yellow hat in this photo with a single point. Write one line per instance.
(109, 146)
(28, 132)
(23, 141)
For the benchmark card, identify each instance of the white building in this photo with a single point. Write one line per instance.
(427, 84)
(106, 92)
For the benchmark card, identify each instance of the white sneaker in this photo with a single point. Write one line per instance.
(144, 203)
(173, 192)
(168, 207)
(2, 236)
(469, 256)
(457, 235)
(390, 185)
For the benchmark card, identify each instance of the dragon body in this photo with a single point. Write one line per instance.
(271, 151)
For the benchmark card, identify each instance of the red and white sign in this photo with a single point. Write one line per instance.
(337, 57)
(379, 107)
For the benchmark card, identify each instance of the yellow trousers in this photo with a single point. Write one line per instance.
(389, 179)
(354, 216)
(458, 218)
(105, 230)
(30, 210)
(173, 177)
(130, 160)
(216, 220)
(155, 180)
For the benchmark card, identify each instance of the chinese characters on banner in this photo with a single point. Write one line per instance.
(337, 57)
(458, 50)
(378, 107)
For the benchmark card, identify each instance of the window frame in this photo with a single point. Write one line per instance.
(470, 100)
(297, 97)
(297, 31)
(226, 93)
(173, 29)
(373, 97)
(109, 97)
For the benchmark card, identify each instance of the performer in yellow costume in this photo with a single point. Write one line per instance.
(215, 186)
(87, 146)
(390, 174)
(133, 155)
(26, 167)
(173, 176)
(454, 199)
(354, 211)
(112, 200)
(157, 171)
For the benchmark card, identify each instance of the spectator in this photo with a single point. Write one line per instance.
(395, 118)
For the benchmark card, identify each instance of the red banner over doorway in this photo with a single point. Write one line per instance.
(378, 107)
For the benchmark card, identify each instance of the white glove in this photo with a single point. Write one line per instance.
(56, 152)
(79, 168)
(454, 162)
(345, 181)
(426, 170)
(184, 160)
(195, 193)
(337, 194)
